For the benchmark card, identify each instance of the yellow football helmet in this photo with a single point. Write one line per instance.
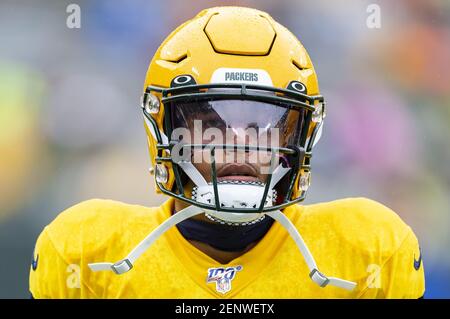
(226, 54)
(231, 68)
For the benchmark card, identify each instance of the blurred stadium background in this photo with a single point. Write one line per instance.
(71, 127)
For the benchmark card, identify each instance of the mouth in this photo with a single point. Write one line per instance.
(237, 172)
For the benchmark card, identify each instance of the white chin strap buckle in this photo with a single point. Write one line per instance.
(319, 278)
(122, 266)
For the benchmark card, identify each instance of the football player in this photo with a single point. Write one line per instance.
(232, 110)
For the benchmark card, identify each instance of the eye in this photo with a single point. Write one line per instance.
(215, 123)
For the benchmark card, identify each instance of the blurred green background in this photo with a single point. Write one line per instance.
(71, 127)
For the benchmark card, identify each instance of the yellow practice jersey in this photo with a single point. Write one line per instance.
(356, 239)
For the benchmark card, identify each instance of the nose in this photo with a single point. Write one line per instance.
(240, 136)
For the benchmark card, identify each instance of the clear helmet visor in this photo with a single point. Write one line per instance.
(242, 122)
(265, 127)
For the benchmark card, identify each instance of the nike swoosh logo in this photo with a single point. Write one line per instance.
(34, 262)
(418, 262)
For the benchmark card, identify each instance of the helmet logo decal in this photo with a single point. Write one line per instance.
(237, 75)
(182, 80)
(241, 76)
(222, 277)
(297, 86)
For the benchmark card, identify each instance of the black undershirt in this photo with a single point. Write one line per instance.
(224, 237)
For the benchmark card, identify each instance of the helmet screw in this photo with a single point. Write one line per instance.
(161, 174)
(150, 104)
(305, 180)
(318, 113)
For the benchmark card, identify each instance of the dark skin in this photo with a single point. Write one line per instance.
(221, 256)
(250, 172)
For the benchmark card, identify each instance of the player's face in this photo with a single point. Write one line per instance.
(237, 122)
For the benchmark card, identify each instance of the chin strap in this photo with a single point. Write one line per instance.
(233, 194)
(124, 265)
(315, 274)
(193, 173)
